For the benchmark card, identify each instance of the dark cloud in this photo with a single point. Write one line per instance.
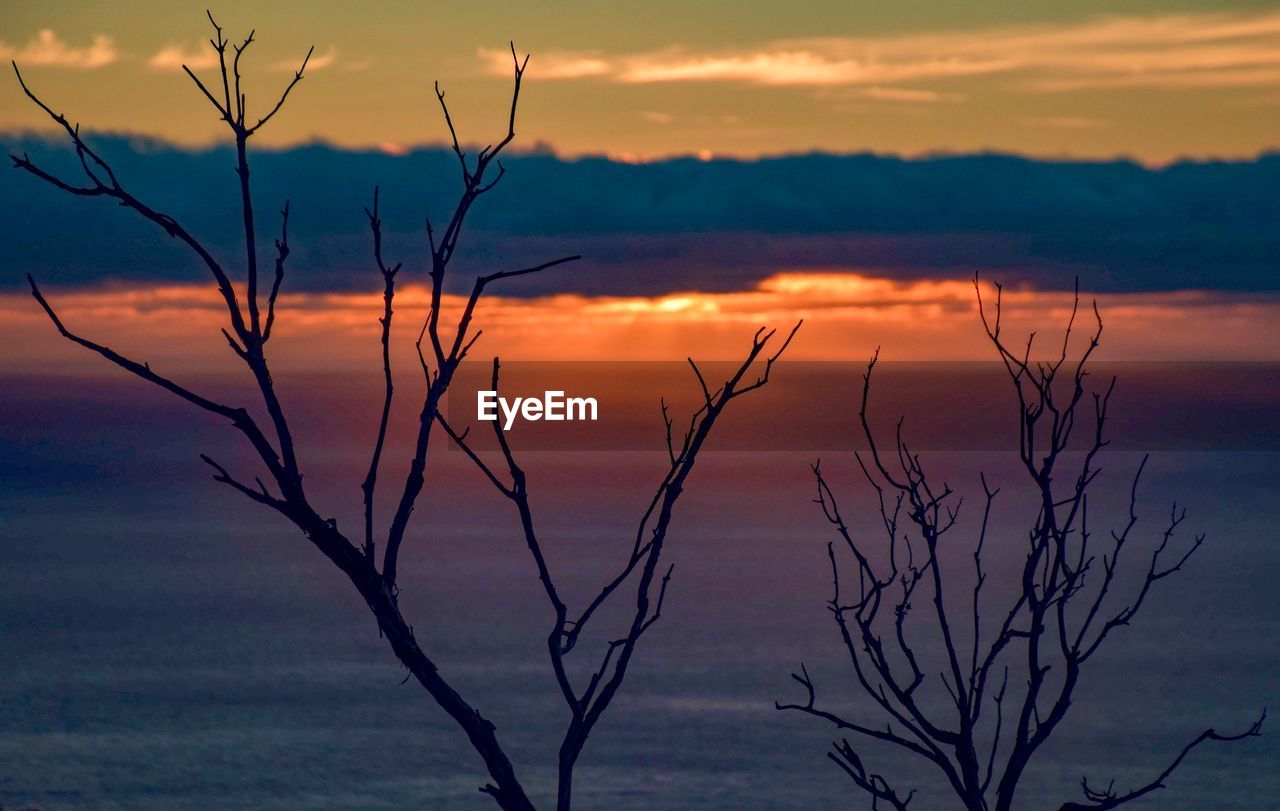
(677, 224)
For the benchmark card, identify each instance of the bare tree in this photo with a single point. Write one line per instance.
(1005, 685)
(250, 330)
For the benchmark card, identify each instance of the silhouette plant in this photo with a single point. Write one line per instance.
(1005, 685)
(249, 331)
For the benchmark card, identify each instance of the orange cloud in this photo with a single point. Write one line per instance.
(1169, 50)
(172, 57)
(318, 61)
(550, 66)
(46, 49)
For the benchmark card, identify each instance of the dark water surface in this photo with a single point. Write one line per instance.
(165, 646)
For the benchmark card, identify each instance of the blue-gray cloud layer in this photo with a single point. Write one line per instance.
(674, 225)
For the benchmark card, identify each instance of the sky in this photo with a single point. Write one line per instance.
(670, 144)
(642, 80)
(847, 317)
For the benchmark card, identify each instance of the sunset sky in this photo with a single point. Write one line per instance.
(679, 255)
(846, 318)
(639, 80)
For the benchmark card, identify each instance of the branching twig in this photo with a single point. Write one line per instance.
(983, 763)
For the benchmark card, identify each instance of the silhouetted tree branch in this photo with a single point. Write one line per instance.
(1097, 800)
(587, 704)
(248, 333)
(1056, 620)
(388, 296)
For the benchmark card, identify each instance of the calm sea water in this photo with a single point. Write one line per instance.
(164, 646)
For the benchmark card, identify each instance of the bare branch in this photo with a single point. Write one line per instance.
(247, 336)
(297, 77)
(1096, 800)
(388, 295)
(260, 495)
(282, 253)
(984, 765)
(110, 187)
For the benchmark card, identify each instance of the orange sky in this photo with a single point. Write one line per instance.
(645, 78)
(1154, 82)
(846, 316)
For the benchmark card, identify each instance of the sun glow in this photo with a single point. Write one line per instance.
(847, 315)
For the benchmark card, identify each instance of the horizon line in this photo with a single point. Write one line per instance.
(542, 148)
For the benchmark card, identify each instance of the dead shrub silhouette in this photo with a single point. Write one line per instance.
(640, 574)
(1006, 684)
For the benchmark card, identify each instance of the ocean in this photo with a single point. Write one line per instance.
(166, 645)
